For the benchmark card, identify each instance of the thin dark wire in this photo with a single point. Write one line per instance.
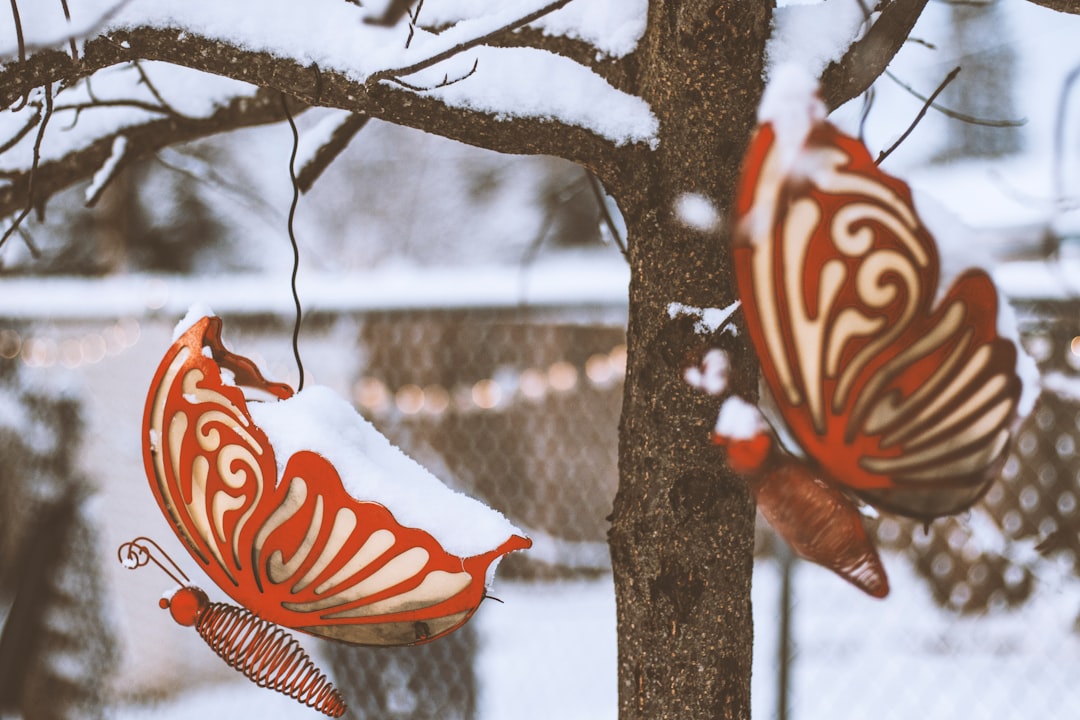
(292, 239)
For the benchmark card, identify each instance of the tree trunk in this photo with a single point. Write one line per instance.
(682, 527)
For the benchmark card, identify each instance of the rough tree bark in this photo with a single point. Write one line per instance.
(682, 527)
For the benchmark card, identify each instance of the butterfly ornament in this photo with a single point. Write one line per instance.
(875, 385)
(306, 516)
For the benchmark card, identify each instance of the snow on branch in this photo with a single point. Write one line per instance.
(107, 171)
(520, 100)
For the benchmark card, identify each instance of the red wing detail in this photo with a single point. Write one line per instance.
(297, 550)
(905, 402)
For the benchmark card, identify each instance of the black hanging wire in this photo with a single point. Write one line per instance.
(292, 239)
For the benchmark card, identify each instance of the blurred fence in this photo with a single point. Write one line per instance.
(520, 406)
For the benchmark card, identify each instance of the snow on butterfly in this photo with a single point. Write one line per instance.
(306, 516)
(884, 389)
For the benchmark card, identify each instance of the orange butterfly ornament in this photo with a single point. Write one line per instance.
(880, 388)
(306, 516)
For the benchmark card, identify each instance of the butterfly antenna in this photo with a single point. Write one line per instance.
(140, 551)
(492, 597)
(292, 238)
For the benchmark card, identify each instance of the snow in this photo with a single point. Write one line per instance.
(739, 420)
(812, 35)
(372, 469)
(558, 282)
(791, 104)
(195, 313)
(697, 212)
(711, 375)
(108, 169)
(709, 320)
(613, 27)
(74, 126)
(1064, 386)
(316, 137)
(511, 82)
(525, 82)
(1039, 279)
(549, 651)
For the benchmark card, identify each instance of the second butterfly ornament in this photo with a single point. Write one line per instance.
(306, 516)
(881, 388)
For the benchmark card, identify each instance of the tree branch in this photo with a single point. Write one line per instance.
(868, 57)
(621, 72)
(463, 46)
(520, 135)
(1063, 6)
(51, 177)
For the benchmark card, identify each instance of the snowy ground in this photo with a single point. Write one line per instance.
(549, 652)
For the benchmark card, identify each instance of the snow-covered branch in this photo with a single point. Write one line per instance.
(868, 57)
(1066, 6)
(521, 99)
(88, 159)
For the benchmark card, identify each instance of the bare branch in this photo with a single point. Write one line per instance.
(954, 114)
(51, 177)
(383, 101)
(325, 155)
(922, 112)
(868, 57)
(1063, 6)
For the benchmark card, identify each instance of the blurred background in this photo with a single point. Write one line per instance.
(473, 307)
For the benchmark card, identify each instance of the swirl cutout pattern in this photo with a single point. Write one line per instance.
(285, 540)
(903, 401)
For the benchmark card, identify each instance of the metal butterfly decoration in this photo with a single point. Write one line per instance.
(880, 389)
(280, 534)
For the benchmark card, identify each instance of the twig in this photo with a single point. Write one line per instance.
(137, 104)
(598, 193)
(71, 40)
(22, 132)
(22, 53)
(446, 81)
(325, 155)
(864, 115)
(953, 113)
(30, 178)
(414, 17)
(145, 79)
(1059, 134)
(466, 45)
(242, 194)
(922, 112)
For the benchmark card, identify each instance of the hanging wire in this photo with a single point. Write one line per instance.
(292, 239)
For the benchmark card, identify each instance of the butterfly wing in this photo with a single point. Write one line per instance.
(906, 403)
(297, 550)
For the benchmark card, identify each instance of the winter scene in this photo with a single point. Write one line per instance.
(530, 360)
